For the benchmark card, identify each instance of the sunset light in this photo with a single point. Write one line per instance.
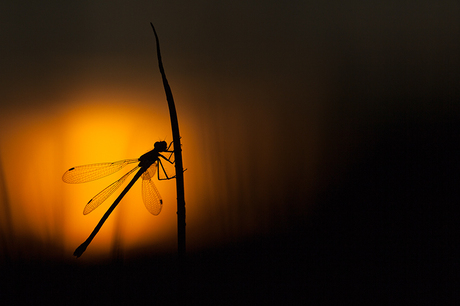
(318, 138)
(88, 132)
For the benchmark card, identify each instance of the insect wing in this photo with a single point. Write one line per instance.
(87, 173)
(150, 195)
(104, 194)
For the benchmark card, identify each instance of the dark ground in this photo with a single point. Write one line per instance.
(383, 233)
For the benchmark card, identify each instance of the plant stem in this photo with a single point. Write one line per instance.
(178, 158)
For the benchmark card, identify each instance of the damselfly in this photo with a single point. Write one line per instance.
(149, 163)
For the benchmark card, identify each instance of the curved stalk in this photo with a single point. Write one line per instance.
(177, 155)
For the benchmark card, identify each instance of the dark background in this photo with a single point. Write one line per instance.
(329, 133)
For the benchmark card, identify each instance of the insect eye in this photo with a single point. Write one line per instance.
(161, 146)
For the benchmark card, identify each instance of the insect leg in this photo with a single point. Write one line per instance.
(164, 171)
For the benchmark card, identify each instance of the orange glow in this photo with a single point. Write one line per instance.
(38, 149)
(225, 199)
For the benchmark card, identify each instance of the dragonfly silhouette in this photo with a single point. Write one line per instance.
(149, 163)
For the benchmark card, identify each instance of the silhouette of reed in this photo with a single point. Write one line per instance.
(147, 162)
(177, 156)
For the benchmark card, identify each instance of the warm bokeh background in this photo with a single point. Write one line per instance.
(319, 137)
